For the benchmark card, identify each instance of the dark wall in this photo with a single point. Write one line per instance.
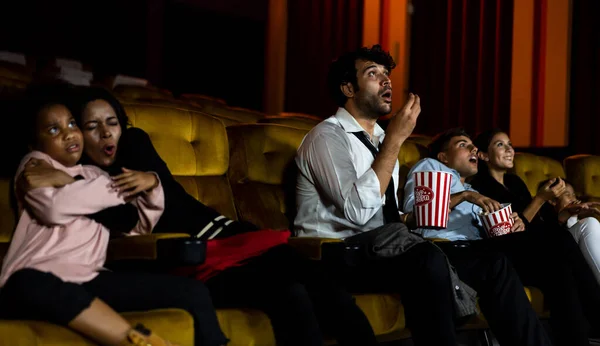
(211, 47)
(585, 77)
(215, 53)
(109, 35)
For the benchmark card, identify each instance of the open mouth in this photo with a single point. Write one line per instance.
(73, 148)
(109, 149)
(473, 159)
(387, 96)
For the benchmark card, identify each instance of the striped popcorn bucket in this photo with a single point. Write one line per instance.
(432, 198)
(499, 222)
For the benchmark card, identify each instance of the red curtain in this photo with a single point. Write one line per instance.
(460, 63)
(585, 78)
(318, 32)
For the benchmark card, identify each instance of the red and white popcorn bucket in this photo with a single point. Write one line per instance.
(499, 222)
(432, 198)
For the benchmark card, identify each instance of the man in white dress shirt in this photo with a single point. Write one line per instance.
(347, 184)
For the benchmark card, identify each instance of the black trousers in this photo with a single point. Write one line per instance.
(301, 301)
(552, 262)
(34, 295)
(422, 279)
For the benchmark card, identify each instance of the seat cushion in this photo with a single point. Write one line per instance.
(174, 325)
(384, 311)
(246, 327)
(252, 327)
(583, 171)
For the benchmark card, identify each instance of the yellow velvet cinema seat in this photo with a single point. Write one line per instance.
(174, 103)
(410, 153)
(136, 92)
(214, 107)
(583, 171)
(534, 169)
(203, 99)
(194, 146)
(423, 140)
(15, 72)
(261, 166)
(233, 115)
(7, 82)
(299, 123)
(174, 325)
(186, 105)
(300, 115)
(7, 216)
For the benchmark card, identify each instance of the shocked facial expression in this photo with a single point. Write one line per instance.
(57, 134)
(460, 155)
(101, 132)
(374, 94)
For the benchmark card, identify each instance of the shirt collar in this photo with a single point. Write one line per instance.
(349, 124)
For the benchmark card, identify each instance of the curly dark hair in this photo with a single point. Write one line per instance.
(440, 142)
(89, 94)
(343, 69)
(39, 96)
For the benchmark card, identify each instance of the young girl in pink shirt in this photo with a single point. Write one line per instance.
(53, 270)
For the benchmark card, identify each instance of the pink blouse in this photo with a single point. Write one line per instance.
(53, 235)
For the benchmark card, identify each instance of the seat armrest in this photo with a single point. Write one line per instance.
(167, 248)
(312, 247)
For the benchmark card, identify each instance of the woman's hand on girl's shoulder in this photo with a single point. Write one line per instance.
(40, 173)
(130, 182)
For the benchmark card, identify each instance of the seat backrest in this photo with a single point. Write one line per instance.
(299, 123)
(241, 115)
(262, 172)
(534, 169)
(170, 103)
(583, 171)
(410, 153)
(194, 146)
(7, 82)
(424, 140)
(137, 92)
(300, 115)
(15, 72)
(203, 99)
(7, 216)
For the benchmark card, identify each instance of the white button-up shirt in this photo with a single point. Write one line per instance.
(337, 192)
